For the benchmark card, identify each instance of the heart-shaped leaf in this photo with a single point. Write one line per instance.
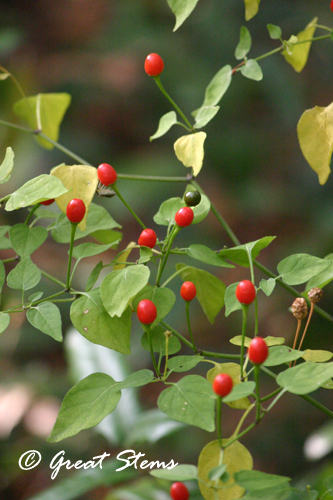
(189, 150)
(297, 55)
(6, 166)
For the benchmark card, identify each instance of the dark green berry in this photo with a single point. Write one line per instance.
(192, 198)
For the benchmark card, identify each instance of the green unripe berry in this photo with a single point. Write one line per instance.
(192, 198)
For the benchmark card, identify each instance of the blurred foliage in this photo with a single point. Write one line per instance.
(253, 171)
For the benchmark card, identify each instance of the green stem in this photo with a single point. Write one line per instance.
(256, 319)
(244, 324)
(164, 92)
(167, 336)
(163, 261)
(147, 329)
(16, 83)
(52, 278)
(62, 148)
(73, 231)
(219, 355)
(218, 420)
(271, 395)
(236, 438)
(276, 399)
(258, 404)
(176, 334)
(240, 423)
(17, 127)
(34, 208)
(174, 274)
(189, 326)
(115, 188)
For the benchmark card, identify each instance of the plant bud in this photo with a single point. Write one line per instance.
(315, 295)
(299, 308)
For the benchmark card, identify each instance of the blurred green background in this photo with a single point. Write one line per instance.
(253, 172)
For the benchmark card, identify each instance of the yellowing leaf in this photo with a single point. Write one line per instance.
(189, 150)
(236, 457)
(81, 181)
(251, 8)
(315, 135)
(232, 369)
(123, 257)
(44, 112)
(317, 356)
(297, 55)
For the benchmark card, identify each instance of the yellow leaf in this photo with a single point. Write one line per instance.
(317, 356)
(123, 257)
(315, 135)
(297, 55)
(251, 8)
(232, 369)
(81, 180)
(235, 456)
(189, 150)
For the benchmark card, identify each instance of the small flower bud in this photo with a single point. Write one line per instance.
(168, 334)
(299, 308)
(315, 295)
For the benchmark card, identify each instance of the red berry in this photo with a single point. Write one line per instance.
(179, 491)
(188, 291)
(245, 292)
(154, 65)
(47, 202)
(332, 5)
(106, 174)
(222, 384)
(258, 351)
(184, 216)
(146, 312)
(147, 238)
(76, 210)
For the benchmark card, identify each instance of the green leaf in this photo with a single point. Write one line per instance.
(270, 341)
(251, 8)
(253, 480)
(90, 249)
(299, 268)
(85, 405)
(202, 210)
(282, 354)
(90, 318)
(267, 286)
(6, 166)
(230, 300)
(206, 255)
(183, 363)
(181, 9)
(205, 115)
(25, 240)
(44, 112)
(181, 472)
(41, 188)
(163, 298)
(240, 254)
(305, 378)
(218, 473)
(4, 321)
(146, 254)
(81, 482)
(244, 44)
(46, 317)
(191, 401)
(165, 124)
(240, 391)
(236, 457)
(2, 276)
(119, 287)
(317, 356)
(98, 219)
(24, 276)
(151, 426)
(94, 275)
(4, 242)
(322, 279)
(210, 290)
(216, 88)
(159, 342)
(136, 379)
(274, 31)
(189, 150)
(282, 492)
(167, 211)
(315, 136)
(106, 236)
(35, 296)
(252, 70)
(297, 55)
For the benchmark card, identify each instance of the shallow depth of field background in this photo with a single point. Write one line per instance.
(253, 172)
